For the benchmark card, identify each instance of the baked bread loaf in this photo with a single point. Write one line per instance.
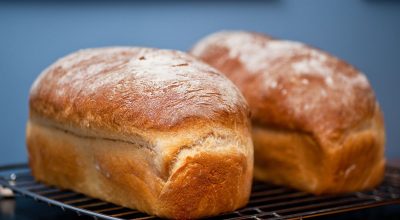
(316, 124)
(155, 130)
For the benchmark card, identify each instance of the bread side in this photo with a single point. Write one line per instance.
(204, 177)
(296, 159)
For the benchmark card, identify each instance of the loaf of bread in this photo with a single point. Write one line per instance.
(149, 129)
(316, 124)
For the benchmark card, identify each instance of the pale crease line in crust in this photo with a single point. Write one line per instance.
(48, 125)
(173, 162)
(113, 140)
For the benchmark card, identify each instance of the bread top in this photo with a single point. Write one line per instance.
(126, 89)
(291, 85)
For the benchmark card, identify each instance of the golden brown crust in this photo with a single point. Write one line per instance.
(119, 89)
(289, 84)
(154, 130)
(310, 110)
(198, 186)
(295, 159)
(205, 180)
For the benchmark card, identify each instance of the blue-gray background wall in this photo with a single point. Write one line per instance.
(33, 34)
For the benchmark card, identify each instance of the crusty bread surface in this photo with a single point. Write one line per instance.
(316, 123)
(149, 129)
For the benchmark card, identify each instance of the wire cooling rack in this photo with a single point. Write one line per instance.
(266, 201)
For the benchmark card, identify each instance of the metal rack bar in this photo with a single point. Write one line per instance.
(266, 201)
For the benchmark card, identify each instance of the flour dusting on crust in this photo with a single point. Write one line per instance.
(162, 86)
(298, 78)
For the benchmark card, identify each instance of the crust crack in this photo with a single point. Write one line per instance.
(141, 145)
